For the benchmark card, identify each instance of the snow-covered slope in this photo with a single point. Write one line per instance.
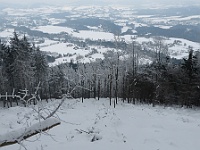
(96, 125)
(177, 48)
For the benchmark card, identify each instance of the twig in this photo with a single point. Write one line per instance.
(81, 131)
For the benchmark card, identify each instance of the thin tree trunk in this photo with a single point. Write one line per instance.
(116, 79)
(99, 88)
(82, 84)
(123, 88)
(133, 73)
(94, 85)
(110, 94)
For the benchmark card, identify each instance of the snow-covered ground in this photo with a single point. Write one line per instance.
(120, 15)
(129, 127)
(160, 19)
(84, 34)
(53, 29)
(163, 27)
(58, 47)
(181, 50)
(94, 35)
(178, 50)
(6, 33)
(74, 52)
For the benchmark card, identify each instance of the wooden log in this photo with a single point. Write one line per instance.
(17, 136)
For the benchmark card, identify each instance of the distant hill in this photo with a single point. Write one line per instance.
(179, 31)
(174, 11)
(82, 23)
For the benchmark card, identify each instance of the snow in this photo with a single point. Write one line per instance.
(7, 33)
(181, 50)
(32, 11)
(47, 42)
(138, 24)
(189, 17)
(144, 16)
(17, 134)
(54, 21)
(92, 27)
(95, 35)
(86, 7)
(176, 51)
(170, 19)
(124, 29)
(121, 16)
(60, 48)
(75, 51)
(74, 57)
(53, 29)
(163, 27)
(143, 61)
(130, 127)
(84, 34)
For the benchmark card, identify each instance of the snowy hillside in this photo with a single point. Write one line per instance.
(96, 125)
(175, 49)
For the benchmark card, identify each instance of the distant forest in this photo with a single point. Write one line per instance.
(188, 32)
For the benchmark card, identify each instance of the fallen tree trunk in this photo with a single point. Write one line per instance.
(22, 134)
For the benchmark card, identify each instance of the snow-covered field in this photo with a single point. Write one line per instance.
(53, 29)
(156, 20)
(6, 33)
(94, 35)
(123, 16)
(83, 54)
(84, 34)
(178, 51)
(181, 50)
(94, 125)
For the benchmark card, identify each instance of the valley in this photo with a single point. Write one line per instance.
(74, 32)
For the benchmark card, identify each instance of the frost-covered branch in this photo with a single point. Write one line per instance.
(24, 133)
(56, 109)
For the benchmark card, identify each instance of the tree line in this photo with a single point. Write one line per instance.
(119, 76)
(22, 67)
(165, 81)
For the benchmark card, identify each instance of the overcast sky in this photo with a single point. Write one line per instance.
(81, 2)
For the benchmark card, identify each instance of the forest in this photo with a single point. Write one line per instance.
(24, 72)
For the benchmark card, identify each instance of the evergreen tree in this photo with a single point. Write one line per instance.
(2, 52)
(27, 56)
(41, 70)
(189, 90)
(3, 49)
(18, 63)
(41, 66)
(190, 66)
